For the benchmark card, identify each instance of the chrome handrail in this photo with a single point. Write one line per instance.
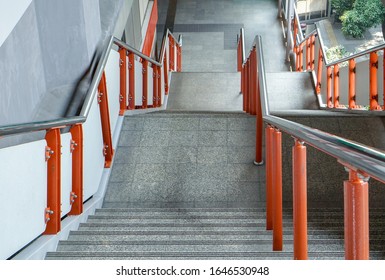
(92, 91)
(367, 160)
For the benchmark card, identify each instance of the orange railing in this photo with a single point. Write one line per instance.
(98, 130)
(340, 89)
(361, 161)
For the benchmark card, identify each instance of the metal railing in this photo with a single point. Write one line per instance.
(97, 98)
(310, 55)
(360, 160)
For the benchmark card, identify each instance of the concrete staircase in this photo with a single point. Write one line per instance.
(204, 233)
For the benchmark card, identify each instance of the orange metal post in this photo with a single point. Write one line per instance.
(131, 76)
(319, 72)
(298, 58)
(300, 201)
(246, 94)
(145, 84)
(352, 84)
(165, 72)
(77, 170)
(243, 86)
(269, 177)
(336, 86)
(356, 218)
(329, 77)
(253, 82)
(373, 82)
(295, 33)
(105, 119)
(123, 81)
(277, 192)
(172, 52)
(312, 52)
(53, 158)
(258, 129)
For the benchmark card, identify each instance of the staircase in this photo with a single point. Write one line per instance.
(203, 233)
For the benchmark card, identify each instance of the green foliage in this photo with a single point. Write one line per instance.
(365, 14)
(336, 53)
(341, 6)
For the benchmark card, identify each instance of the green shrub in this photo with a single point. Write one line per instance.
(365, 14)
(341, 6)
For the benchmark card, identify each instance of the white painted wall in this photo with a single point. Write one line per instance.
(10, 14)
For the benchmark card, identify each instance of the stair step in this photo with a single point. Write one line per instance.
(128, 255)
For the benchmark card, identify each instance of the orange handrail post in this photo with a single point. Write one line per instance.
(123, 81)
(300, 201)
(301, 47)
(53, 158)
(172, 52)
(356, 217)
(105, 119)
(243, 80)
(329, 77)
(373, 82)
(145, 84)
(312, 52)
(269, 131)
(131, 80)
(319, 72)
(258, 128)
(336, 86)
(77, 170)
(253, 81)
(352, 84)
(277, 192)
(246, 93)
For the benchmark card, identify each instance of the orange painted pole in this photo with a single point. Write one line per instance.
(319, 72)
(269, 131)
(336, 86)
(277, 192)
(258, 129)
(329, 77)
(247, 84)
(131, 80)
(165, 72)
(145, 84)
(243, 86)
(352, 84)
(123, 81)
(172, 52)
(77, 170)
(373, 82)
(298, 57)
(105, 119)
(253, 82)
(312, 52)
(53, 158)
(300, 201)
(356, 218)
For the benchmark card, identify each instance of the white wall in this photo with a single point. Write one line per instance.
(10, 14)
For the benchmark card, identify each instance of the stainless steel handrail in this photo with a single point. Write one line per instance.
(92, 91)
(366, 159)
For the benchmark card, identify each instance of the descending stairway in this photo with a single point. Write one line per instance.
(197, 233)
